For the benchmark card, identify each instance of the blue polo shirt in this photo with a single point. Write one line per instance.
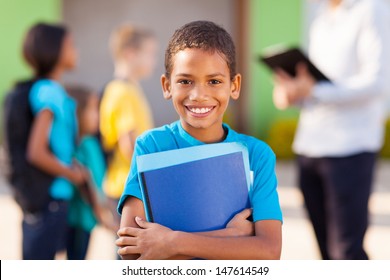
(263, 195)
(50, 95)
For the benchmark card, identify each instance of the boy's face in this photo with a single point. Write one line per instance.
(200, 87)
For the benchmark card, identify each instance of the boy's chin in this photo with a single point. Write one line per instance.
(198, 124)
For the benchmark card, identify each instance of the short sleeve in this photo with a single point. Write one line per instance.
(45, 96)
(132, 185)
(125, 117)
(116, 113)
(264, 196)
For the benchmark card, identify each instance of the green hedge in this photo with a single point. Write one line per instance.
(385, 153)
(281, 136)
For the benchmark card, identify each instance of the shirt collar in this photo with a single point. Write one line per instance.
(195, 142)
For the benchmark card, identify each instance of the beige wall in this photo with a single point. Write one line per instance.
(92, 20)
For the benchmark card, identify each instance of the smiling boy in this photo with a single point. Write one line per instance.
(200, 79)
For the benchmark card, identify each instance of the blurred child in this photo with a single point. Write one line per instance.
(50, 51)
(200, 79)
(124, 110)
(86, 207)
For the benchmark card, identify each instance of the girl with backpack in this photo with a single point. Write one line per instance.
(50, 51)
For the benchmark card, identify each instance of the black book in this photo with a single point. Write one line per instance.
(288, 59)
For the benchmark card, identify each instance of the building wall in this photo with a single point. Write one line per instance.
(16, 16)
(92, 21)
(271, 22)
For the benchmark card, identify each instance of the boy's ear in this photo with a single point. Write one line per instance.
(236, 87)
(166, 87)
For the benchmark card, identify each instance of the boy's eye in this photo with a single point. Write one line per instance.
(214, 82)
(184, 82)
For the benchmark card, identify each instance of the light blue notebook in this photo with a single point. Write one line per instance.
(195, 189)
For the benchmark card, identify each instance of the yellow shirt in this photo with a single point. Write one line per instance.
(123, 109)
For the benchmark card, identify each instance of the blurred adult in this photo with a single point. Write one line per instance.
(341, 124)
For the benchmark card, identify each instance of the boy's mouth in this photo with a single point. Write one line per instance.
(200, 111)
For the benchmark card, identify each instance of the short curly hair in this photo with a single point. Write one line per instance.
(204, 35)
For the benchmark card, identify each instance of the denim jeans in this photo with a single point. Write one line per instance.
(45, 232)
(77, 243)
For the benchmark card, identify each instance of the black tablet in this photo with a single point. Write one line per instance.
(288, 60)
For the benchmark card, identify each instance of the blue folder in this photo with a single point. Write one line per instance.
(195, 189)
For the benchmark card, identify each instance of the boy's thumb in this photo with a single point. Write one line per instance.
(141, 222)
(246, 212)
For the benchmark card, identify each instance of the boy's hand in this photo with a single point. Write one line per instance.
(151, 241)
(240, 224)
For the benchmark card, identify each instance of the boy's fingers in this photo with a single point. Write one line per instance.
(128, 250)
(126, 241)
(127, 231)
(245, 213)
(141, 222)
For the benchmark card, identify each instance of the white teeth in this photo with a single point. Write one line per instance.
(200, 110)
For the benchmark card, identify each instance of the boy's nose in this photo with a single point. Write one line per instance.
(199, 93)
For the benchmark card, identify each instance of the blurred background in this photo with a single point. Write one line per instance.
(254, 25)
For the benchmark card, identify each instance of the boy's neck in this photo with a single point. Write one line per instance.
(209, 135)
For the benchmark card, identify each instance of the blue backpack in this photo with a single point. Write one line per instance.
(29, 184)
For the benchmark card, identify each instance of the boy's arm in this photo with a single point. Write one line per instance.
(133, 207)
(238, 226)
(153, 241)
(266, 244)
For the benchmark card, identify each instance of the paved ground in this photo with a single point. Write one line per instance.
(298, 239)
